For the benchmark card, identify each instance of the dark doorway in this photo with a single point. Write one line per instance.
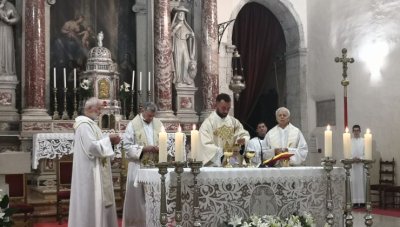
(259, 38)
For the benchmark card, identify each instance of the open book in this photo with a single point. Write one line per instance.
(272, 161)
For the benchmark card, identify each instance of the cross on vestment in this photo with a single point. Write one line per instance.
(345, 82)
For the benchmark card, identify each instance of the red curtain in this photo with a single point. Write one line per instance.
(258, 36)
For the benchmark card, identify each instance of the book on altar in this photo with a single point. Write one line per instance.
(282, 156)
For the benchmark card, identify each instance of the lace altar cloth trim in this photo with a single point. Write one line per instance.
(240, 191)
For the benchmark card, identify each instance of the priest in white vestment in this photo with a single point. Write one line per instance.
(141, 135)
(220, 129)
(357, 177)
(258, 145)
(92, 202)
(285, 137)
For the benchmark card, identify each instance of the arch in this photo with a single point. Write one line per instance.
(295, 56)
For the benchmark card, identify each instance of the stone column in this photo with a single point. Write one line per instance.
(35, 67)
(163, 60)
(209, 56)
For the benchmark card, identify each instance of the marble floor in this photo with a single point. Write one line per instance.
(379, 220)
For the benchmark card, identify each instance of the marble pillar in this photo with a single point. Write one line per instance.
(35, 59)
(209, 56)
(163, 60)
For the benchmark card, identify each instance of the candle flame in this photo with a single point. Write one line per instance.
(328, 127)
(347, 130)
(194, 127)
(368, 131)
(162, 129)
(179, 128)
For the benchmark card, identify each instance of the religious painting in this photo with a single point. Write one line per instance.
(263, 201)
(48, 165)
(186, 103)
(74, 25)
(103, 89)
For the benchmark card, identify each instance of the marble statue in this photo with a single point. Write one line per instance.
(183, 49)
(8, 17)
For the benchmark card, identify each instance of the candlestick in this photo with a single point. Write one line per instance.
(54, 77)
(178, 201)
(65, 78)
(347, 144)
(162, 170)
(56, 115)
(149, 83)
(65, 113)
(328, 163)
(75, 113)
(368, 145)
(348, 216)
(195, 169)
(328, 141)
(162, 144)
(140, 81)
(368, 219)
(133, 79)
(132, 114)
(179, 145)
(74, 78)
(194, 142)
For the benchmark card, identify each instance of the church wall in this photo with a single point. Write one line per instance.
(370, 31)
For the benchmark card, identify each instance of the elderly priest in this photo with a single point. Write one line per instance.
(218, 130)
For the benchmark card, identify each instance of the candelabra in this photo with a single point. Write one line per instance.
(65, 113)
(368, 217)
(195, 169)
(178, 207)
(328, 163)
(162, 170)
(139, 97)
(75, 114)
(148, 96)
(56, 115)
(132, 114)
(347, 163)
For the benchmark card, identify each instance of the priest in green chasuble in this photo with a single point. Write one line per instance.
(220, 129)
(285, 137)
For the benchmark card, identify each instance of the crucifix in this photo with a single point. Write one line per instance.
(345, 82)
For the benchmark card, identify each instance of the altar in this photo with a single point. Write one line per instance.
(225, 192)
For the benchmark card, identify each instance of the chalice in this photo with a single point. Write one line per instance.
(228, 154)
(250, 155)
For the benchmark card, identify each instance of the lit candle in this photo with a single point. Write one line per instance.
(328, 142)
(140, 81)
(65, 78)
(162, 144)
(54, 77)
(149, 83)
(179, 145)
(74, 78)
(368, 145)
(347, 144)
(194, 142)
(133, 79)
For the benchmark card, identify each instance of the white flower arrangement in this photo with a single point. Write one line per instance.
(85, 84)
(85, 88)
(124, 90)
(304, 220)
(5, 212)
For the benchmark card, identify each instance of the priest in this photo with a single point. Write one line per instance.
(141, 136)
(92, 202)
(218, 130)
(285, 137)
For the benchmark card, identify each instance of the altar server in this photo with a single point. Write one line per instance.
(217, 130)
(258, 145)
(357, 177)
(92, 202)
(285, 137)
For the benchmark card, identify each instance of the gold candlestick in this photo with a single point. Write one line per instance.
(178, 207)
(56, 115)
(195, 169)
(328, 163)
(65, 113)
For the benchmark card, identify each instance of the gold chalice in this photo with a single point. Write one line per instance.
(250, 155)
(228, 154)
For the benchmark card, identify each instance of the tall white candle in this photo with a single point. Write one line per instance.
(133, 79)
(368, 145)
(194, 142)
(74, 78)
(65, 78)
(140, 81)
(179, 145)
(149, 83)
(162, 144)
(347, 144)
(54, 77)
(328, 142)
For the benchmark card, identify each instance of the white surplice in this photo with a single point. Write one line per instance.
(357, 177)
(290, 137)
(92, 202)
(137, 135)
(256, 144)
(215, 132)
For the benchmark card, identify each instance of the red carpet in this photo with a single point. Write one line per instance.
(64, 224)
(385, 212)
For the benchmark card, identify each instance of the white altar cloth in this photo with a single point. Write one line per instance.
(244, 191)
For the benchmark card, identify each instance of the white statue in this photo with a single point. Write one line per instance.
(183, 49)
(8, 17)
(100, 38)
